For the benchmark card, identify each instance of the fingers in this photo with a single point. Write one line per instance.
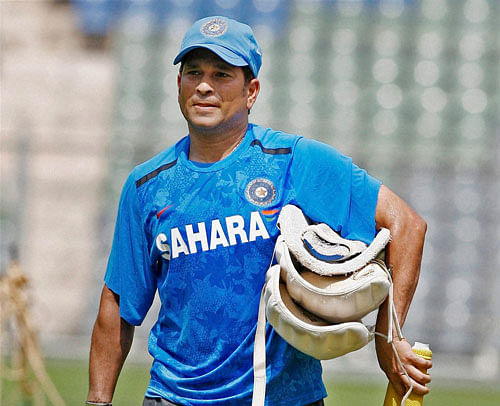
(423, 363)
(420, 363)
(417, 388)
(419, 379)
(401, 384)
(415, 366)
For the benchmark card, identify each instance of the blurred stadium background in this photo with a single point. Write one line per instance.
(410, 89)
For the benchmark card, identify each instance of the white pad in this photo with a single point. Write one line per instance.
(324, 284)
(310, 334)
(335, 298)
(317, 247)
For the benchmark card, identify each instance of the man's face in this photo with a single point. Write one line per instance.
(213, 95)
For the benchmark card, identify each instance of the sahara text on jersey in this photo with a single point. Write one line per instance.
(235, 227)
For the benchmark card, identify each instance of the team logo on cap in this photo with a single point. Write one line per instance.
(260, 191)
(214, 28)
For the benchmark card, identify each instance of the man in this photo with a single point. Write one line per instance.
(197, 223)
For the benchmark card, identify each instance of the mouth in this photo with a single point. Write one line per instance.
(205, 104)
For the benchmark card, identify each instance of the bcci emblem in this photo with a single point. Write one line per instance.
(214, 28)
(260, 192)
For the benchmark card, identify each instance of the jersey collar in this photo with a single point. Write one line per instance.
(219, 165)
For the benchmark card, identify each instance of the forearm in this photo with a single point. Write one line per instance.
(111, 341)
(403, 255)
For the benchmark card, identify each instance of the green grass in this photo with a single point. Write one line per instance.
(70, 377)
(71, 380)
(367, 394)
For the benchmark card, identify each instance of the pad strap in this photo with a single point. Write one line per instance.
(259, 356)
(393, 318)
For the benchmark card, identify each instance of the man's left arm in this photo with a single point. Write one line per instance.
(404, 256)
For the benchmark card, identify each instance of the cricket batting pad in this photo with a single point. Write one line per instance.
(318, 293)
(320, 249)
(338, 298)
(307, 332)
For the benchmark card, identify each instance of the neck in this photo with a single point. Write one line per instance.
(206, 147)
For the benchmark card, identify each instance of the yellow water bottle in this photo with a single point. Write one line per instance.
(392, 398)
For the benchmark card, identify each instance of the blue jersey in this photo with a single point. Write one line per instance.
(203, 235)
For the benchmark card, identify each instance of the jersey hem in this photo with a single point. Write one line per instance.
(154, 391)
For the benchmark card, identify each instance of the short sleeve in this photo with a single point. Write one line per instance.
(129, 272)
(330, 188)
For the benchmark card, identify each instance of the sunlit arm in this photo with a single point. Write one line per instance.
(111, 341)
(404, 256)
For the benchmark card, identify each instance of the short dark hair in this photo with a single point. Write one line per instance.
(248, 74)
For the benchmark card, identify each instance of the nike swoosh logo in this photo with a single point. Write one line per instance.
(163, 210)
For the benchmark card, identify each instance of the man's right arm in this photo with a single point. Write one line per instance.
(111, 341)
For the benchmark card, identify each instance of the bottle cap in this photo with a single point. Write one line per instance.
(423, 350)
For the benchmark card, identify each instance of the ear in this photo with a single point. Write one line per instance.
(178, 82)
(253, 91)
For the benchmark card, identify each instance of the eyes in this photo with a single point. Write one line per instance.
(220, 74)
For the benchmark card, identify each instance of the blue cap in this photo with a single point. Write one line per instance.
(229, 39)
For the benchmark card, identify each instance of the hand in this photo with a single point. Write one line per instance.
(413, 364)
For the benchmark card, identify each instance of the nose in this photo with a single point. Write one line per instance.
(204, 87)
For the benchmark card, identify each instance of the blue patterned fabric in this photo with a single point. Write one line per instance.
(203, 236)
